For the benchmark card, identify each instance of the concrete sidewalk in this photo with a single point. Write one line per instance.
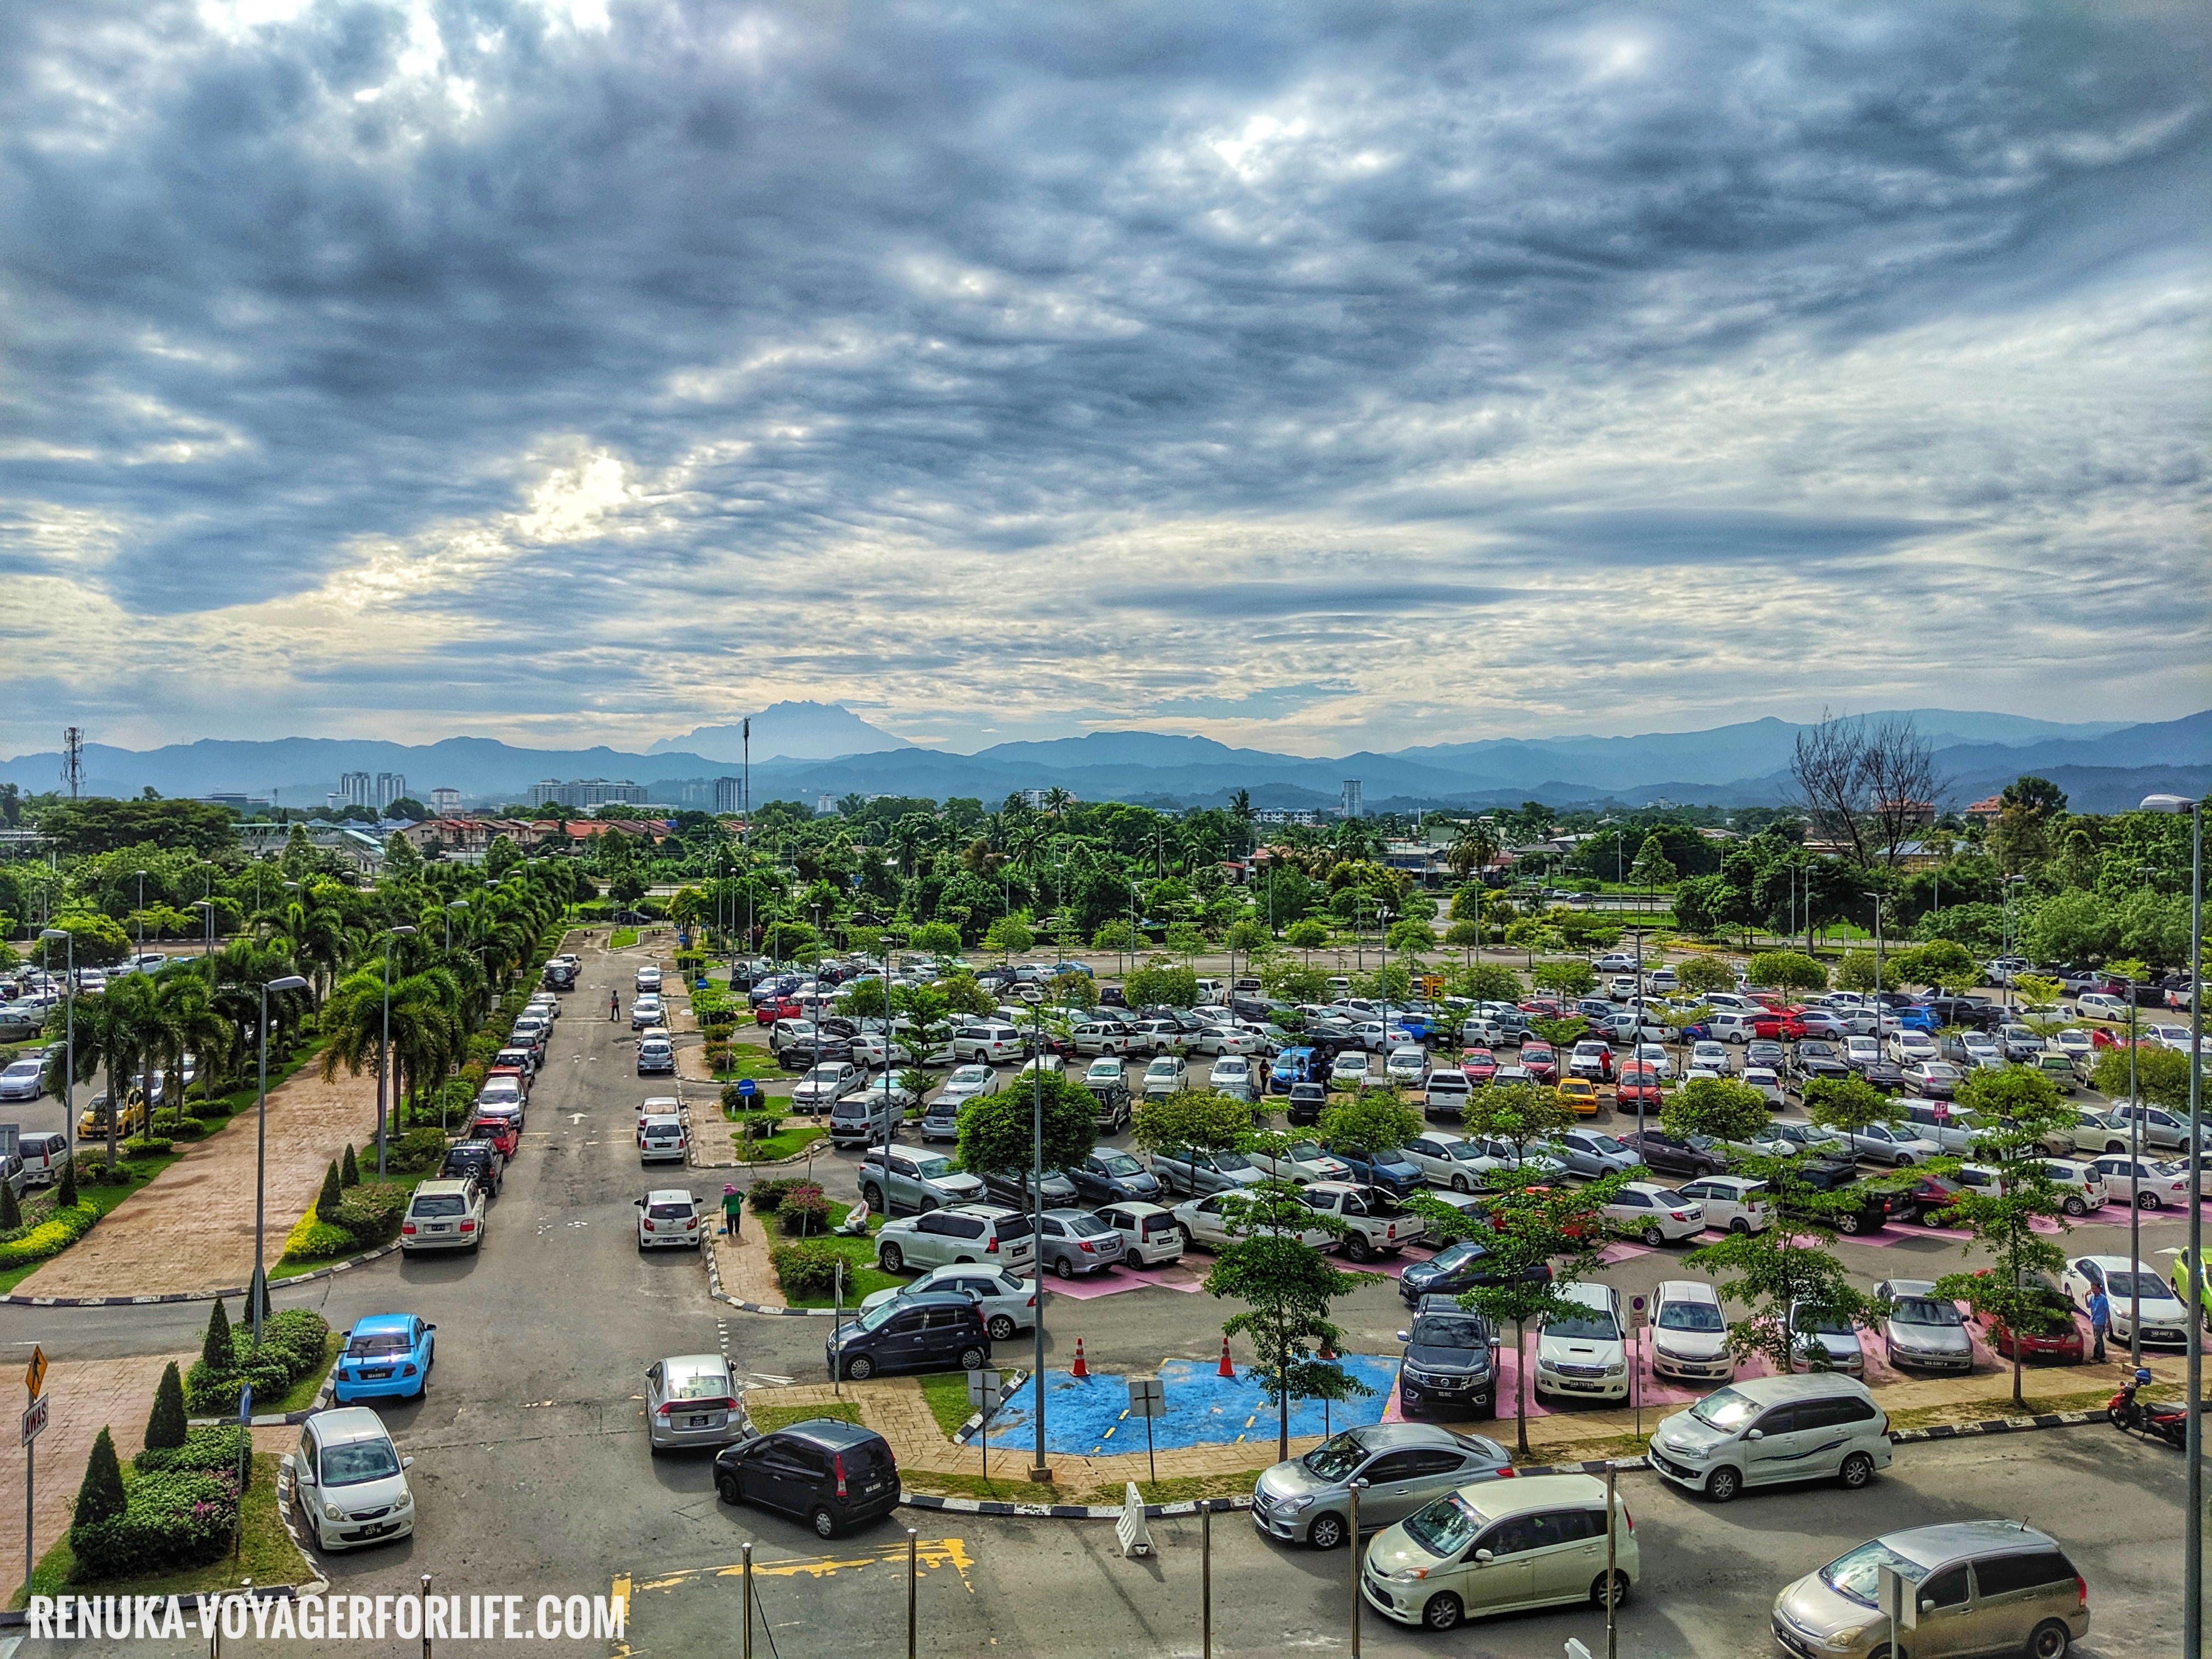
(84, 1397)
(190, 1229)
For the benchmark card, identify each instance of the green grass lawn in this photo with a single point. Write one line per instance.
(750, 1059)
(862, 1277)
(785, 1143)
(947, 1395)
(622, 937)
(266, 1554)
(142, 1168)
(768, 1419)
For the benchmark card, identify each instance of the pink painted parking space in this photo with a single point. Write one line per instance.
(1112, 1281)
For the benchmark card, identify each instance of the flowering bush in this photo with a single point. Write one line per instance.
(49, 1237)
(173, 1519)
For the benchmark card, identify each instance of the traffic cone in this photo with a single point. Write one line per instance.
(1226, 1368)
(1080, 1369)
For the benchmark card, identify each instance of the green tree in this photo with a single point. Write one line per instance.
(1412, 936)
(99, 1498)
(1492, 982)
(2161, 1075)
(1307, 934)
(215, 1343)
(997, 1132)
(1010, 936)
(327, 1201)
(1938, 963)
(350, 1168)
(1786, 970)
(1161, 983)
(166, 1425)
(11, 1212)
(1113, 936)
(1849, 1104)
(502, 855)
(1371, 1122)
(1700, 974)
(939, 938)
(1561, 1034)
(1652, 867)
(1190, 1120)
(1566, 979)
(1520, 1114)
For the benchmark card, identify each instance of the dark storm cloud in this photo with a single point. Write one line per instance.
(869, 287)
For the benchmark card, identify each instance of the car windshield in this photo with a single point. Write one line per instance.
(668, 1211)
(1858, 1575)
(1449, 1331)
(1925, 1310)
(1336, 1458)
(698, 1385)
(1458, 1256)
(1690, 1316)
(971, 1077)
(2142, 1286)
(874, 1318)
(1230, 1161)
(1725, 1409)
(824, 1074)
(376, 1344)
(1119, 1164)
(1606, 1144)
(1822, 1323)
(1590, 1325)
(1464, 1150)
(361, 1459)
(1446, 1527)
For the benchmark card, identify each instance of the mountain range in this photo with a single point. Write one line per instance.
(2103, 765)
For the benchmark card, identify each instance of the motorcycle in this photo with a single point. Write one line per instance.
(2169, 1421)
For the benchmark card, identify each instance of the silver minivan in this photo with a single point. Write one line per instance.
(1980, 1587)
(1764, 1431)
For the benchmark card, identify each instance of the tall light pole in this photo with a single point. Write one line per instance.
(383, 1046)
(1039, 1470)
(2193, 1562)
(207, 947)
(457, 904)
(142, 913)
(289, 982)
(68, 1061)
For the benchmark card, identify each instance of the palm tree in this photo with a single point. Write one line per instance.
(1473, 849)
(190, 1023)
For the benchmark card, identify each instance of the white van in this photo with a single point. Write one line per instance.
(43, 1157)
(1733, 1026)
(1764, 1431)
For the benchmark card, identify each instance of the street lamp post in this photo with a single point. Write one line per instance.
(1039, 1471)
(207, 947)
(288, 982)
(68, 1058)
(383, 1046)
(457, 904)
(2192, 1565)
(142, 913)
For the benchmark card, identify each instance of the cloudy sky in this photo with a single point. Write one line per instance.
(1310, 376)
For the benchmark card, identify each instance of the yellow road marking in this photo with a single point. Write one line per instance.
(930, 1553)
(619, 1598)
(1109, 1435)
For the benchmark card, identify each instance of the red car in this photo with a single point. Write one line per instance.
(1778, 1023)
(1540, 1062)
(1542, 1008)
(503, 1132)
(778, 1008)
(522, 1078)
(1637, 1083)
(2057, 1337)
(1480, 1065)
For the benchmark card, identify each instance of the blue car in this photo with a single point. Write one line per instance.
(1387, 1169)
(1418, 1028)
(386, 1357)
(1292, 1065)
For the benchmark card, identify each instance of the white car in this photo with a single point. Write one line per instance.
(1165, 1075)
(1731, 1203)
(1302, 1161)
(24, 1080)
(1654, 1054)
(1909, 1047)
(1453, 1161)
(1104, 1073)
(350, 1480)
(1895, 1145)
(2074, 1042)
(1008, 1304)
(658, 1106)
(873, 1048)
(969, 1082)
(1226, 1039)
(1585, 1354)
(644, 1011)
(1829, 1338)
(668, 1218)
(2165, 1321)
(1983, 1049)
(2101, 1004)
(1657, 1215)
(1706, 1055)
(2139, 1181)
(1203, 1221)
(648, 979)
(2084, 1186)
(661, 1140)
(1348, 1070)
(825, 1085)
(1767, 1082)
(1860, 1052)
(1407, 1065)
(1689, 1336)
(1150, 1234)
(1232, 1075)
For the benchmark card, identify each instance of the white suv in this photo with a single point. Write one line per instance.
(989, 1234)
(1763, 1430)
(1584, 1353)
(993, 1044)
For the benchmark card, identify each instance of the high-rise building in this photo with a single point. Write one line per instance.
(729, 795)
(1353, 807)
(390, 786)
(587, 791)
(445, 802)
(357, 789)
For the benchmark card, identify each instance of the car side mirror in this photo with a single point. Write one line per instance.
(1483, 1558)
(641, 1203)
(430, 1328)
(1404, 1336)
(1927, 1606)
(406, 1463)
(1754, 1434)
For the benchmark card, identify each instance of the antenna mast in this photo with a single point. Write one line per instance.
(73, 759)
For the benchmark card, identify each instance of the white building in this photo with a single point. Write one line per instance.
(390, 787)
(729, 795)
(357, 789)
(1352, 807)
(587, 791)
(445, 802)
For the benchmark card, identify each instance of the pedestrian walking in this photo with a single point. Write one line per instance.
(614, 1005)
(2100, 1321)
(733, 1206)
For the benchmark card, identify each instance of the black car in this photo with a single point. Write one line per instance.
(1013, 1188)
(834, 1474)
(1885, 1075)
(475, 1160)
(1817, 1057)
(1835, 1182)
(807, 1053)
(1110, 1176)
(1451, 1360)
(1307, 1101)
(1971, 1012)
(1458, 1267)
(1691, 1155)
(926, 1333)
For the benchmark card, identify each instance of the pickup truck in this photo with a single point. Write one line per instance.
(1836, 1179)
(1377, 1225)
(1302, 1161)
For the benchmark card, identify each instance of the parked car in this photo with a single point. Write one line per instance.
(1110, 1176)
(1769, 1431)
(1301, 1161)
(1690, 1155)
(1897, 1145)
(1539, 1542)
(1150, 1235)
(933, 1333)
(2139, 1181)
(1593, 1153)
(867, 1120)
(1921, 1330)
(1307, 1102)
(1074, 1243)
(443, 1215)
(893, 1179)
(1018, 1188)
(2130, 1288)
(1981, 1586)
(477, 1162)
(691, 1400)
(1214, 1221)
(1734, 1204)
(1460, 1267)
(1583, 1354)
(1449, 1160)
(23, 1079)
(1657, 1215)
(835, 1475)
(1008, 1304)
(349, 1480)
(1388, 1169)
(384, 1357)
(988, 1234)
(1450, 1361)
(1406, 1466)
(661, 1140)
(1194, 1173)
(1689, 1335)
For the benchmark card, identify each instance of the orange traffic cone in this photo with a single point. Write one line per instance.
(1080, 1369)
(1227, 1370)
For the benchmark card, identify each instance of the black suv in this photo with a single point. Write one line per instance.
(1307, 1101)
(475, 1160)
(931, 1332)
(834, 1474)
(1451, 1359)
(1834, 1176)
(1818, 1059)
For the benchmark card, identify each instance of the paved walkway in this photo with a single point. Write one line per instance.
(191, 1227)
(86, 1397)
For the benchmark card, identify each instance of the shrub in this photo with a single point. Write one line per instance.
(333, 1193)
(758, 1125)
(65, 1200)
(191, 1128)
(292, 1343)
(164, 1426)
(717, 1056)
(208, 1451)
(173, 1518)
(806, 1269)
(803, 1211)
(415, 1152)
(215, 1341)
(311, 1240)
(767, 1196)
(100, 1496)
(145, 1146)
(68, 1222)
(732, 1100)
(370, 1216)
(11, 1212)
(350, 1168)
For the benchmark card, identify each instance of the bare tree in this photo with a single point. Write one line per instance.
(1866, 788)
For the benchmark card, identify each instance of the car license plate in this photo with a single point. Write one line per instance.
(698, 1422)
(440, 1227)
(376, 1376)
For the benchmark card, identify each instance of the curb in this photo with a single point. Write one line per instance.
(714, 1290)
(325, 1397)
(916, 1500)
(193, 1296)
(1007, 1389)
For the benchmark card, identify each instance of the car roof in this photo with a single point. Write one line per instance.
(694, 1361)
(654, 1119)
(347, 1424)
(372, 1323)
(1380, 1436)
(669, 1196)
(1136, 1207)
(1687, 1289)
(1899, 1287)
(438, 1188)
(1935, 1546)
(2115, 1264)
(1809, 1385)
(833, 1436)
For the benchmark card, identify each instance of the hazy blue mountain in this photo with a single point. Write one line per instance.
(794, 731)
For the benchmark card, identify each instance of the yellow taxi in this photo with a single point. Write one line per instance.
(1579, 1095)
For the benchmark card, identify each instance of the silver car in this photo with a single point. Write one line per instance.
(1406, 1467)
(692, 1400)
(1921, 1330)
(1824, 1340)
(1981, 1587)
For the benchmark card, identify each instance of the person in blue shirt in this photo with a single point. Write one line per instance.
(2100, 1321)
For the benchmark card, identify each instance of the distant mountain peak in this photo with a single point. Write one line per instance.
(790, 730)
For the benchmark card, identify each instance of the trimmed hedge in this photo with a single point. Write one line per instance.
(292, 1342)
(173, 1519)
(311, 1240)
(207, 1450)
(766, 1197)
(371, 1215)
(148, 1146)
(49, 1238)
(415, 1153)
(809, 1269)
